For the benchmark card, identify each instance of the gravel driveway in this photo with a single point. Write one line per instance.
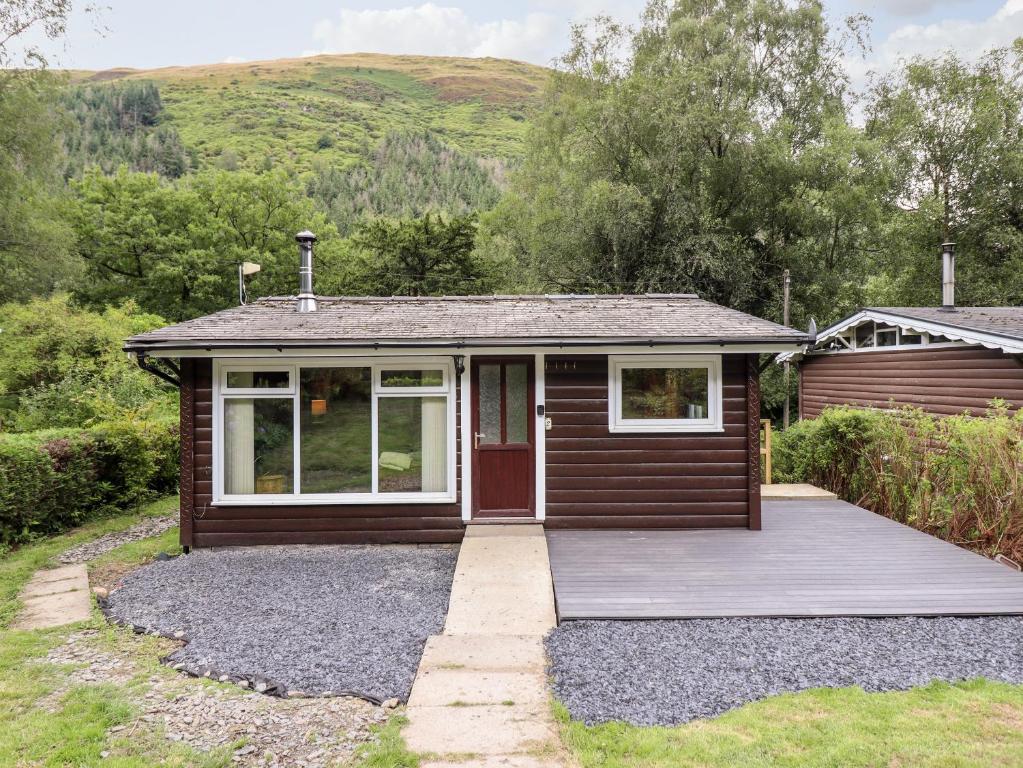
(670, 672)
(338, 619)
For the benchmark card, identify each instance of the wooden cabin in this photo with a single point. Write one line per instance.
(346, 420)
(945, 360)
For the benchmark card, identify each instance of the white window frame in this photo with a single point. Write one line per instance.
(714, 422)
(221, 393)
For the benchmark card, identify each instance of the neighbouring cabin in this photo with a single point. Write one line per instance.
(943, 360)
(405, 419)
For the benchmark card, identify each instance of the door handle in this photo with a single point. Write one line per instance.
(476, 439)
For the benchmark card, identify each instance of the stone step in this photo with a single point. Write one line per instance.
(483, 730)
(445, 688)
(483, 652)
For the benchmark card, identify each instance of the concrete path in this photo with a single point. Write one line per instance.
(55, 597)
(480, 698)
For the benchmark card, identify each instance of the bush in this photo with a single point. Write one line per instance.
(957, 477)
(54, 479)
(62, 366)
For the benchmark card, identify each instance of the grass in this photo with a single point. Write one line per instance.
(278, 110)
(976, 723)
(389, 750)
(45, 724)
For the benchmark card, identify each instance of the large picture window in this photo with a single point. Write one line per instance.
(664, 394)
(334, 432)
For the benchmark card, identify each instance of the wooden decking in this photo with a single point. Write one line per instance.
(812, 558)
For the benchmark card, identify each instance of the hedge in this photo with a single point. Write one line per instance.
(58, 478)
(957, 477)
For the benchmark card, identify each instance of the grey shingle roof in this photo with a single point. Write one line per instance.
(1004, 321)
(470, 319)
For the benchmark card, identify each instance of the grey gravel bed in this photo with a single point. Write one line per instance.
(324, 619)
(670, 672)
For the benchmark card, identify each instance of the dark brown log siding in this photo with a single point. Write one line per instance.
(596, 479)
(299, 524)
(943, 381)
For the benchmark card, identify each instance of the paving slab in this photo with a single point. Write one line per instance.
(55, 597)
(485, 730)
(804, 491)
(483, 652)
(447, 687)
(496, 761)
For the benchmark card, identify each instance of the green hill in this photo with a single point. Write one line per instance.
(338, 108)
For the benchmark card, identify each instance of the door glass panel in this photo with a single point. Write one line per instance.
(516, 403)
(490, 403)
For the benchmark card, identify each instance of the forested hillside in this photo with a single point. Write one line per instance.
(337, 109)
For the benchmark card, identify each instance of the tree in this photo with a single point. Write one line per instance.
(174, 247)
(955, 130)
(406, 176)
(33, 251)
(418, 257)
(120, 123)
(61, 365)
(706, 151)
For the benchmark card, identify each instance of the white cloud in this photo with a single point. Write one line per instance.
(435, 30)
(968, 38)
(914, 7)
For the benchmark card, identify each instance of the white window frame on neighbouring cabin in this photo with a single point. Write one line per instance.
(714, 421)
(222, 393)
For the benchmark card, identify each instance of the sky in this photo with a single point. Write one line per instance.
(155, 33)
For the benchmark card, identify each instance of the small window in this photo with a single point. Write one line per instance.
(938, 339)
(268, 380)
(665, 394)
(887, 337)
(418, 377)
(910, 339)
(865, 336)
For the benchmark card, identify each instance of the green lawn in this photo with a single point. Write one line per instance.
(977, 723)
(45, 723)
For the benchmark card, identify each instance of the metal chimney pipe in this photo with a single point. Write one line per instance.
(948, 276)
(306, 297)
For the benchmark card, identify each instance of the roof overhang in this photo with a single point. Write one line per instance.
(987, 339)
(271, 347)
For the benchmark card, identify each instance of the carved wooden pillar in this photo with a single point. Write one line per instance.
(753, 437)
(187, 426)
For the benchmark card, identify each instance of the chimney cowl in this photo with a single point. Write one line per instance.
(306, 297)
(948, 277)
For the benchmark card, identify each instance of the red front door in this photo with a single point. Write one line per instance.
(502, 437)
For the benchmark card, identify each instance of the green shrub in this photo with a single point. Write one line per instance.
(54, 479)
(956, 477)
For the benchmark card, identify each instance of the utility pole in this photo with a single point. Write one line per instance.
(785, 321)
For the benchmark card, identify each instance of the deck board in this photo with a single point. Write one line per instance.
(812, 558)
